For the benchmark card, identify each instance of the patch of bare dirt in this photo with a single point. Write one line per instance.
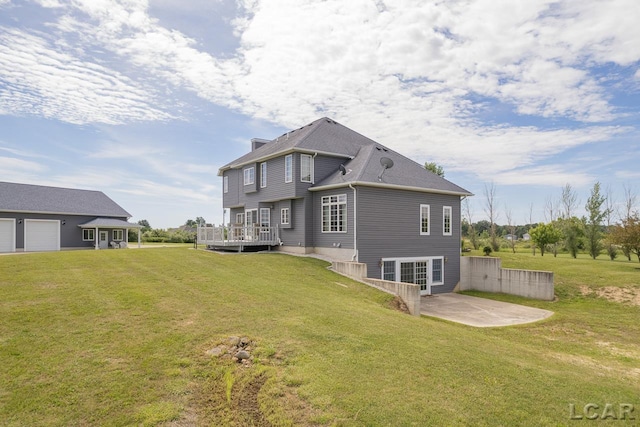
(611, 348)
(597, 367)
(248, 404)
(397, 304)
(233, 391)
(615, 294)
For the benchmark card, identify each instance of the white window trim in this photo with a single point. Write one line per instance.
(240, 218)
(428, 232)
(416, 259)
(92, 232)
(310, 157)
(444, 216)
(288, 177)
(264, 213)
(441, 282)
(121, 232)
(345, 219)
(225, 183)
(263, 175)
(284, 216)
(249, 176)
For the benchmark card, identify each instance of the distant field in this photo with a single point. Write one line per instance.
(120, 338)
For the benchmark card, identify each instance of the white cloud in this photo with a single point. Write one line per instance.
(11, 165)
(550, 175)
(38, 79)
(406, 73)
(627, 174)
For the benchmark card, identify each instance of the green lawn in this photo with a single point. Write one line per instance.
(119, 338)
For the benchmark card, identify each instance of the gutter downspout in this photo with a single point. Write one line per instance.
(313, 168)
(355, 224)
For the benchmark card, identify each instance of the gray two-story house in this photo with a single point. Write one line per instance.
(326, 189)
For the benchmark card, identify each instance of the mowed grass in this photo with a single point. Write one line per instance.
(120, 338)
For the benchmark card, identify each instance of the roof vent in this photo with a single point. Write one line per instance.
(386, 163)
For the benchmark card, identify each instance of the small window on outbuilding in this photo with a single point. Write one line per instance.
(88, 235)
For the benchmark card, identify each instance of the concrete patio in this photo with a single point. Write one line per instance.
(479, 312)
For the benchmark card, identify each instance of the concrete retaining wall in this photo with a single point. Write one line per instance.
(408, 292)
(486, 274)
(355, 270)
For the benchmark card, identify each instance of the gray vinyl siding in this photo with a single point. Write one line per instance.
(323, 166)
(70, 233)
(232, 197)
(296, 235)
(389, 227)
(251, 188)
(285, 204)
(277, 189)
(332, 239)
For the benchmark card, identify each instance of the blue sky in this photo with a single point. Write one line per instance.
(145, 100)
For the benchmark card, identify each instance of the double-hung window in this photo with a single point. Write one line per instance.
(306, 168)
(425, 211)
(446, 220)
(334, 214)
(263, 174)
(249, 175)
(284, 216)
(288, 168)
(117, 234)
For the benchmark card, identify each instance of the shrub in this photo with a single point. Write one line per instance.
(487, 250)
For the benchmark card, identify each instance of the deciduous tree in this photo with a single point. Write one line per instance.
(473, 236)
(545, 234)
(492, 213)
(573, 234)
(593, 222)
(435, 168)
(512, 229)
(627, 235)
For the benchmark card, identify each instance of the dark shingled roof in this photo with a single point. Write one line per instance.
(37, 198)
(362, 159)
(323, 135)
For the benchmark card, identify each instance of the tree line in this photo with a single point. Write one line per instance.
(186, 233)
(607, 227)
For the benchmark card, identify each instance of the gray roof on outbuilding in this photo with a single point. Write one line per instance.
(55, 200)
(108, 223)
(362, 159)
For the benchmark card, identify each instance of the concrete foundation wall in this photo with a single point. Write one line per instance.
(486, 274)
(408, 292)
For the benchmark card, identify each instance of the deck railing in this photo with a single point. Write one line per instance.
(238, 236)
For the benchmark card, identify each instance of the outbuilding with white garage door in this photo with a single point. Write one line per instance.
(36, 218)
(7, 235)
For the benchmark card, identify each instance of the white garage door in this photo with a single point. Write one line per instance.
(7, 235)
(41, 235)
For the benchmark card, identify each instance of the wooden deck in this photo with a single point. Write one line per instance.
(238, 237)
